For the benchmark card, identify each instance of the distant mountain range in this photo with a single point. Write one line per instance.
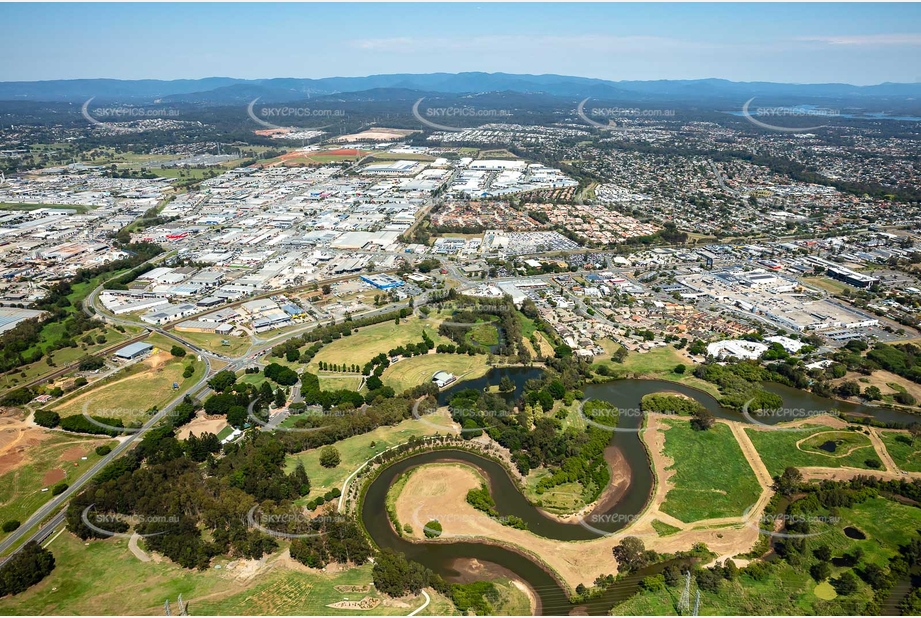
(228, 90)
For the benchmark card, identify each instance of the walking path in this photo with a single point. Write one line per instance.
(139, 553)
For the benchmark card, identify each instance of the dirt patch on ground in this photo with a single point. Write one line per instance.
(16, 438)
(201, 425)
(53, 476)
(157, 359)
(74, 453)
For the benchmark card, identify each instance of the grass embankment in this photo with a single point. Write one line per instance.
(658, 363)
(130, 393)
(356, 450)
(369, 341)
(712, 477)
(236, 346)
(411, 372)
(782, 449)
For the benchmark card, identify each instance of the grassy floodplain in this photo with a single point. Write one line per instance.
(781, 449)
(712, 477)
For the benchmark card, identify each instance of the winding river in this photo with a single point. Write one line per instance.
(452, 559)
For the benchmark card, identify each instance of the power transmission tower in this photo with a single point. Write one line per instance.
(182, 608)
(685, 603)
(166, 608)
(697, 604)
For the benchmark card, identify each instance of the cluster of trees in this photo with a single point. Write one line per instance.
(470, 310)
(347, 422)
(281, 374)
(670, 404)
(396, 576)
(535, 437)
(684, 406)
(329, 496)
(903, 360)
(353, 368)
(26, 568)
(480, 499)
(804, 549)
(343, 399)
(91, 363)
(223, 490)
(738, 383)
(342, 541)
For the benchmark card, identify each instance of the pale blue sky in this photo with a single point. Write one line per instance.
(804, 43)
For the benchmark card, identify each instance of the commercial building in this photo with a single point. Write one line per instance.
(443, 378)
(133, 351)
(383, 282)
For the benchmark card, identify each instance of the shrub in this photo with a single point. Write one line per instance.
(47, 418)
(432, 529)
(177, 351)
(329, 457)
(91, 363)
(103, 450)
(60, 488)
(9, 526)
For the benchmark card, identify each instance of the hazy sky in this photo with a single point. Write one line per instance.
(805, 43)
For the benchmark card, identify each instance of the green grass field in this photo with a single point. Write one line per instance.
(906, 456)
(21, 486)
(790, 590)
(843, 442)
(484, 334)
(14, 206)
(562, 500)
(214, 343)
(334, 382)
(826, 283)
(712, 477)
(356, 450)
(528, 326)
(417, 370)
(53, 332)
(656, 363)
(778, 450)
(104, 578)
(664, 529)
(130, 393)
(369, 341)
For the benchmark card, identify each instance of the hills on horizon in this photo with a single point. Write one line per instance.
(228, 90)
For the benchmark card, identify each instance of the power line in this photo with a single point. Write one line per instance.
(685, 603)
